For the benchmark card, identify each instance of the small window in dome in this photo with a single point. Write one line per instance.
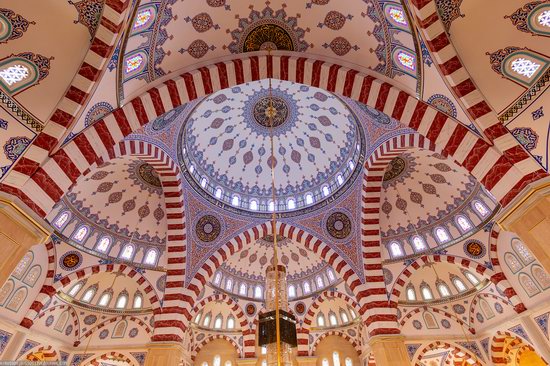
(544, 18)
(309, 198)
(74, 290)
(235, 201)
(464, 223)
(151, 257)
(103, 244)
(352, 312)
(340, 179)
(481, 209)
(80, 234)
(138, 301)
(228, 363)
(218, 193)
(442, 235)
(229, 284)
(396, 250)
(330, 274)
(88, 295)
(326, 191)
(14, 74)
(218, 322)
(524, 67)
(204, 181)
(104, 299)
(332, 319)
(320, 282)
(411, 295)
(205, 363)
(348, 362)
(61, 220)
(460, 286)
(291, 204)
(325, 362)
(206, 320)
(191, 169)
(198, 317)
(473, 279)
(344, 316)
(320, 320)
(264, 350)
(427, 293)
(230, 322)
(254, 205)
(242, 289)
(127, 252)
(521, 250)
(419, 244)
(217, 360)
(291, 291)
(217, 278)
(335, 359)
(121, 301)
(258, 293)
(307, 287)
(351, 165)
(271, 206)
(444, 290)
(264, 362)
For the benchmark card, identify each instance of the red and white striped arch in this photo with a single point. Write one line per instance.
(325, 295)
(452, 317)
(473, 360)
(109, 30)
(75, 276)
(40, 188)
(475, 301)
(503, 342)
(70, 309)
(112, 320)
(211, 338)
(338, 333)
(501, 284)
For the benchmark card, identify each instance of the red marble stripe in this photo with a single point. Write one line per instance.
(104, 135)
(206, 81)
(436, 126)
(62, 118)
(98, 46)
(47, 184)
(222, 75)
(89, 72)
(418, 114)
(455, 140)
(139, 109)
(82, 143)
(190, 86)
(154, 93)
(76, 95)
(428, 21)
(419, 4)
(495, 174)
(332, 77)
(439, 42)
(173, 92)
(283, 65)
(450, 66)
(269, 66)
(316, 73)
(400, 105)
(464, 88)
(67, 165)
(255, 67)
(300, 69)
(479, 110)
(382, 96)
(26, 166)
(365, 89)
(348, 84)
(239, 75)
(45, 141)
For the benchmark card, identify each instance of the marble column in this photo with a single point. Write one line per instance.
(19, 231)
(389, 351)
(166, 354)
(529, 217)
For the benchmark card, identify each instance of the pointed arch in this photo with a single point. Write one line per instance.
(452, 347)
(109, 321)
(325, 295)
(338, 333)
(475, 301)
(209, 339)
(501, 344)
(97, 360)
(436, 310)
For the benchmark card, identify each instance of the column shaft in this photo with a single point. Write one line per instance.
(389, 351)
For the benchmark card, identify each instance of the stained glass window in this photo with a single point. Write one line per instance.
(74, 290)
(198, 317)
(271, 206)
(235, 201)
(61, 220)
(204, 181)
(291, 204)
(229, 284)
(80, 233)
(217, 278)
(325, 362)
(398, 15)
(291, 291)
(528, 285)
(541, 276)
(442, 235)
(340, 179)
(217, 360)
(320, 320)
(151, 257)
(419, 244)
(88, 295)
(481, 209)
(544, 18)
(396, 250)
(524, 67)
(218, 193)
(103, 244)
(23, 265)
(142, 18)
(406, 59)
(352, 312)
(444, 290)
(349, 362)
(521, 250)
(254, 205)
(512, 262)
(14, 74)
(133, 63)
(326, 191)
(258, 292)
(206, 321)
(464, 223)
(127, 252)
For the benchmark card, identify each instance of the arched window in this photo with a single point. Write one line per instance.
(481, 209)
(348, 362)
(405, 60)
(351, 165)
(254, 205)
(235, 201)
(464, 224)
(340, 179)
(218, 322)
(198, 317)
(229, 284)
(326, 191)
(258, 292)
(271, 206)
(344, 316)
(204, 182)
(103, 244)
(151, 257)
(134, 64)
(230, 322)
(541, 276)
(6, 291)
(307, 287)
(395, 250)
(352, 312)
(205, 363)
(80, 234)
(264, 350)
(17, 299)
(217, 278)
(22, 71)
(442, 235)
(528, 284)
(227, 363)
(291, 291)
(291, 204)
(320, 283)
(144, 19)
(335, 358)
(62, 321)
(127, 253)
(89, 294)
(486, 309)
(104, 299)
(61, 220)
(325, 362)
(264, 362)
(473, 279)
(512, 262)
(332, 319)
(522, 251)
(120, 329)
(330, 274)
(243, 289)
(309, 198)
(320, 320)
(217, 360)
(206, 320)
(427, 293)
(459, 285)
(218, 193)
(74, 290)
(23, 265)
(411, 294)
(419, 244)
(121, 301)
(138, 301)
(430, 321)
(520, 65)
(443, 290)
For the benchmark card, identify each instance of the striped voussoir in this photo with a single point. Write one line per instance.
(60, 171)
(70, 309)
(337, 333)
(502, 343)
(109, 356)
(109, 30)
(452, 317)
(209, 339)
(302, 336)
(381, 314)
(475, 301)
(450, 347)
(459, 81)
(43, 297)
(499, 278)
(501, 284)
(112, 320)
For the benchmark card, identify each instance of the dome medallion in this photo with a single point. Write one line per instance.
(225, 150)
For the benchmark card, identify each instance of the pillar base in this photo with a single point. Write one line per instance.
(389, 351)
(166, 354)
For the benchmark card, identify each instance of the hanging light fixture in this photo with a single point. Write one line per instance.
(277, 327)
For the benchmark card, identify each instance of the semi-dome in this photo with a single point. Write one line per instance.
(225, 146)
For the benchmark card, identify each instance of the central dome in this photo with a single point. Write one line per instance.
(225, 146)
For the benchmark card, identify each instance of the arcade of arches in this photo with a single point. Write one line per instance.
(411, 146)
